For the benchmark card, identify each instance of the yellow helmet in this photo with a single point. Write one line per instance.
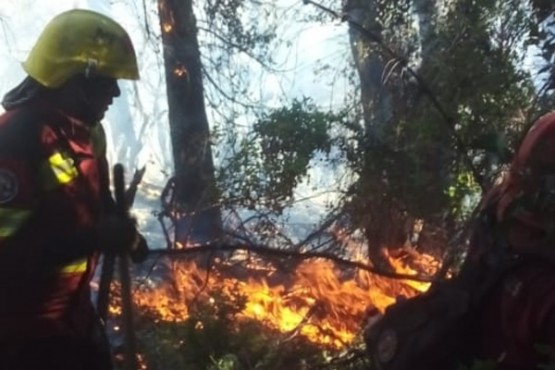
(81, 41)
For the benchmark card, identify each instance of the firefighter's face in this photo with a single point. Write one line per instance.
(98, 93)
(88, 98)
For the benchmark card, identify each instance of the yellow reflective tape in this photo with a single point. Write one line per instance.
(63, 168)
(11, 220)
(75, 267)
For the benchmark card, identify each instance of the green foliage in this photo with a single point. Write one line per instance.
(289, 139)
(277, 155)
(424, 163)
(464, 195)
(476, 71)
(470, 55)
(425, 160)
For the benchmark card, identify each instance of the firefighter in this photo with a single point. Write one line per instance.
(516, 329)
(56, 210)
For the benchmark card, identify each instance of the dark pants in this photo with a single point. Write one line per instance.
(58, 353)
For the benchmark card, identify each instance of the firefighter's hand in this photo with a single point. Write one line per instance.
(118, 234)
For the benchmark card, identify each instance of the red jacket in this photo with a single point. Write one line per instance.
(519, 315)
(53, 189)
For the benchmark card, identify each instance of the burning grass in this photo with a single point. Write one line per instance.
(254, 313)
(315, 299)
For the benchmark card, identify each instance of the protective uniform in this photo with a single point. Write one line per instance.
(519, 315)
(50, 200)
(54, 189)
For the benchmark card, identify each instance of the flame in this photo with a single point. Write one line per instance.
(180, 71)
(166, 14)
(167, 27)
(402, 268)
(318, 300)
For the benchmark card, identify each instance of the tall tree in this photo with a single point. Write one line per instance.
(375, 208)
(416, 157)
(195, 192)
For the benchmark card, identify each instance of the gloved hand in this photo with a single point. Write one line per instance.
(116, 234)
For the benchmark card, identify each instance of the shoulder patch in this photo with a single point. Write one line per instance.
(9, 186)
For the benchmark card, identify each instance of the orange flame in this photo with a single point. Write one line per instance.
(167, 17)
(318, 300)
(180, 71)
(167, 27)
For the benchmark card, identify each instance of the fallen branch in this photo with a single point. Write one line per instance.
(287, 253)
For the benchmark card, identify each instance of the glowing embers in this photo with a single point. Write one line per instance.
(180, 71)
(167, 27)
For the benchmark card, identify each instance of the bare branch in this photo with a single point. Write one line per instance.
(263, 250)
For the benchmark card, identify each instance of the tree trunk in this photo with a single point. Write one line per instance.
(195, 192)
(376, 215)
(426, 11)
(376, 98)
